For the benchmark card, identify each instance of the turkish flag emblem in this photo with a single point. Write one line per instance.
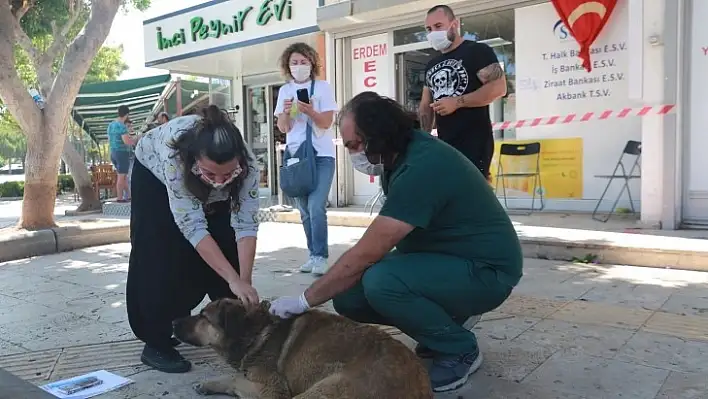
(585, 20)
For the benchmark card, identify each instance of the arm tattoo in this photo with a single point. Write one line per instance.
(490, 73)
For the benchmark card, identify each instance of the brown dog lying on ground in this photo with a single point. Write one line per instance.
(314, 355)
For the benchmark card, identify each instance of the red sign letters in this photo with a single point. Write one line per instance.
(369, 54)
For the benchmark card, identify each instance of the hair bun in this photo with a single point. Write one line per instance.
(213, 115)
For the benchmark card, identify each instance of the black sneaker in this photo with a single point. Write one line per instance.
(167, 360)
(450, 372)
(175, 342)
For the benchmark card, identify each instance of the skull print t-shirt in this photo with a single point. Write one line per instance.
(452, 75)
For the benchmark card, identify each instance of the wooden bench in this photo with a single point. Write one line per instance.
(103, 177)
(11, 387)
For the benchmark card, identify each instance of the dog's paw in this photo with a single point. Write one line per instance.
(201, 389)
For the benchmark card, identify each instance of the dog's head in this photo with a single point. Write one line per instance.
(226, 325)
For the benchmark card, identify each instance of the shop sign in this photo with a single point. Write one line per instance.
(200, 29)
(371, 66)
(371, 71)
(560, 164)
(584, 20)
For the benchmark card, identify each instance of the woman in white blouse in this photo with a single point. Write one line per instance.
(300, 64)
(193, 227)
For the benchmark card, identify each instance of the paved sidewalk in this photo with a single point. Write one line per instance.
(569, 331)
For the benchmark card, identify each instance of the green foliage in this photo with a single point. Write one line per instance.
(107, 66)
(15, 189)
(12, 189)
(12, 142)
(65, 183)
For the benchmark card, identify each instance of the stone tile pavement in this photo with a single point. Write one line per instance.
(569, 330)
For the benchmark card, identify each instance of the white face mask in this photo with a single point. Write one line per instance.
(300, 73)
(362, 164)
(439, 40)
(217, 186)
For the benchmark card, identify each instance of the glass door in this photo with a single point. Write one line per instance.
(259, 132)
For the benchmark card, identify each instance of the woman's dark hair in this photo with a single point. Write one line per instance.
(383, 124)
(306, 51)
(215, 137)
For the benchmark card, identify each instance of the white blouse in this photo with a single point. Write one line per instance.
(153, 152)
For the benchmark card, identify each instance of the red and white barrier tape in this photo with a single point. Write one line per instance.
(577, 118)
(588, 116)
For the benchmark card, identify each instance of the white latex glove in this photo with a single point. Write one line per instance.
(288, 306)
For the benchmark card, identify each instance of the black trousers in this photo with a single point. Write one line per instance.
(480, 151)
(166, 276)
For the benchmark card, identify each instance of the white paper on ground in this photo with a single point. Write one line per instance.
(111, 382)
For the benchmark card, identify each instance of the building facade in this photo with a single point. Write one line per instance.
(639, 60)
(237, 44)
(650, 54)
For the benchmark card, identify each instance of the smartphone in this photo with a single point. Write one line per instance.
(73, 387)
(303, 96)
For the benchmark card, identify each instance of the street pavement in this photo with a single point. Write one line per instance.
(568, 331)
(11, 210)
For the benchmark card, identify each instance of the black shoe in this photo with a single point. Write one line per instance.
(175, 342)
(167, 360)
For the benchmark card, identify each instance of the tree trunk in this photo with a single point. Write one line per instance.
(41, 167)
(82, 179)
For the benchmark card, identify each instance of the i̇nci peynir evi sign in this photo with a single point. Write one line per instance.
(199, 29)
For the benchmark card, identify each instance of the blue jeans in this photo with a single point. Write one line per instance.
(313, 209)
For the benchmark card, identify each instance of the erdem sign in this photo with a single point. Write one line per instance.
(200, 29)
(561, 31)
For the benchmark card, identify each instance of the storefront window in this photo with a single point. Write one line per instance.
(415, 34)
(220, 92)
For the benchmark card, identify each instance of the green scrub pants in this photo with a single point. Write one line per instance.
(425, 295)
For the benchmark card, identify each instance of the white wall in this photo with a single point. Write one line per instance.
(698, 130)
(653, 184)
(549, 83)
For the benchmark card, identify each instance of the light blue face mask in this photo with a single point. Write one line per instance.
(362, 164)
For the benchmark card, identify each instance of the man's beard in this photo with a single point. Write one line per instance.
(451, 34)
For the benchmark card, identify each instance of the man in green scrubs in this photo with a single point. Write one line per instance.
(441, 252)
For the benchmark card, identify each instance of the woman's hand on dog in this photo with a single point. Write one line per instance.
(245, 292)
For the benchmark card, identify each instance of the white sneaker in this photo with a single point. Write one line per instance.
(319, 265)
(307, 266)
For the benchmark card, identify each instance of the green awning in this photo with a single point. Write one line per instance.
(192, 92)
(97, 104)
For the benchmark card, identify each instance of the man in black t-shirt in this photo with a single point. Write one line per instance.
(460, 84)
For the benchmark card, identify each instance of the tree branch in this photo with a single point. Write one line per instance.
(78, 58)
(12, 91)
(19, 34)
(58, 46)
(24, 7)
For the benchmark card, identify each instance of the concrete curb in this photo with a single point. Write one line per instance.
(74, 237)
(555, 249)
(27, 244)
(68, 238)
(61, 239)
